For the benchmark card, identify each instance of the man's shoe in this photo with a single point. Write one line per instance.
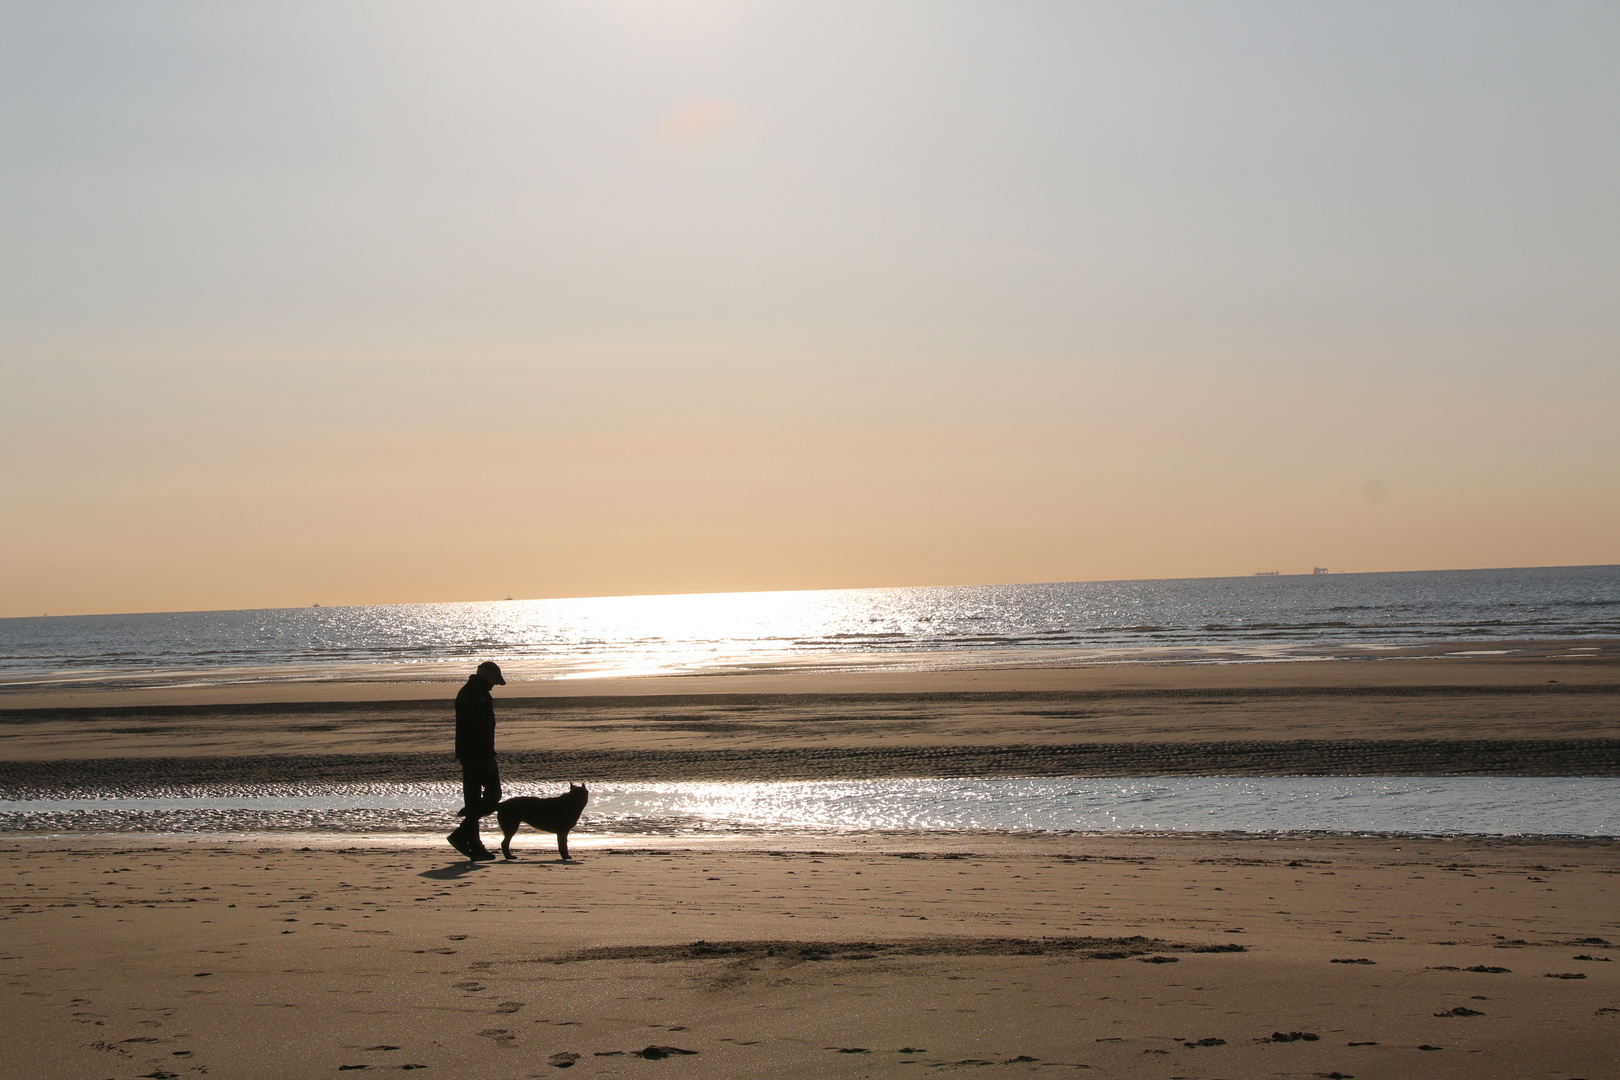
(479, 854)
(460, 842)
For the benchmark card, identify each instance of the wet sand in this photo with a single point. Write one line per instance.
(872, 956)
(1541, 713)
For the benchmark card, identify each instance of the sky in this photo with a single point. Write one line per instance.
(393, 302)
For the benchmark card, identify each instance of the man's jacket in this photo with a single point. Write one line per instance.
(475, 722)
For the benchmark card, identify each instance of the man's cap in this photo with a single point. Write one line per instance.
(491, 671)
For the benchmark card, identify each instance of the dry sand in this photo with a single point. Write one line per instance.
(860, 956)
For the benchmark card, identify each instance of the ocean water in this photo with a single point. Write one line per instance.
(1510, 806)
(1211, 619)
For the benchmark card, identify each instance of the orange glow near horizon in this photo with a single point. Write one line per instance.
(963, 485)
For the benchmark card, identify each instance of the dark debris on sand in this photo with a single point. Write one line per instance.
(654, 1053)
(811, 951)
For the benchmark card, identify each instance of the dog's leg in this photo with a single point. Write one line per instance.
(507, 832)
(562, 845)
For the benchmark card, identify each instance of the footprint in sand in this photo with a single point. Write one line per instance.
(109, 1048)
(563, 1059)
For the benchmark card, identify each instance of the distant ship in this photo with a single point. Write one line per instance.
(1319, 570)
(1268, 573)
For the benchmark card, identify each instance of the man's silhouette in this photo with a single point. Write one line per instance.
(475, 749)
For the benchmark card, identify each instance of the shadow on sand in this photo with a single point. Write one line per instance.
(462, 868)
(455, 870)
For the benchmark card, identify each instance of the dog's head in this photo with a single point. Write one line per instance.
(578, 791)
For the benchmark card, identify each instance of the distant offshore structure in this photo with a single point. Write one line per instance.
(1319, 570)
(1268, 573)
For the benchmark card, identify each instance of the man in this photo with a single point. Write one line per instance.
(475, 749)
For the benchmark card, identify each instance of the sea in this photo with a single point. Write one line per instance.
(1209, 620)
(1284, 619)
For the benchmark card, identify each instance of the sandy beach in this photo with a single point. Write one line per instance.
(869, 956)
(853, 955)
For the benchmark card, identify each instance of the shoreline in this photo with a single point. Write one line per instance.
(537, 849)
(1481, 661)
(759, 840)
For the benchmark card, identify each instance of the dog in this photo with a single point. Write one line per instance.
(554, 815)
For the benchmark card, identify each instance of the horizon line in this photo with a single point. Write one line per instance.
(1264, 574)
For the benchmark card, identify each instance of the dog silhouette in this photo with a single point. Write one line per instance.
(554, 815)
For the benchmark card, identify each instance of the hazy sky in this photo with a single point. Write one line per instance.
(376, 302)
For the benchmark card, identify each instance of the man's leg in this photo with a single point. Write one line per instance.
(480, 791)
(492, 789)
(472, 796)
